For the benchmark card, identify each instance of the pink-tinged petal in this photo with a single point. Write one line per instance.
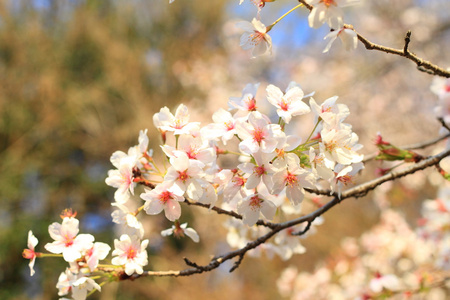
(32, 240)
(253, 181)
(192, 234)
(154, 207)
(248, 146)
(55, 231)
(70, 254)
(172, 210)
(56, 247)
(268, 209)
(295, 194)
(250, 217)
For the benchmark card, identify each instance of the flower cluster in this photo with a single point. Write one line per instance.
(274, 165)
(273, 170)
(256, 35)
(389, 261)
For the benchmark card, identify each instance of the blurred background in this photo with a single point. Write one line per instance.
(79, 79)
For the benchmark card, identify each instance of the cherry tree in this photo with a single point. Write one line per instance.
(275, 170)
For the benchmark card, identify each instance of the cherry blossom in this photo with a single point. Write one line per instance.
(180, 230)
(30, 253)
(163, 197)
(347, 36)
(122, 179)
(252, 206)
(255, 37)
(327, 11)
(340, 145)
(289, 104)
(292, 177)
(247, 102)
(131, 253)
(185, 175)
(262, 170)
(98, 252)
(223, 127)
(67, 240)
(258, 134)
(380, 282)
(178, 123)
(330, 112)
(78, 284)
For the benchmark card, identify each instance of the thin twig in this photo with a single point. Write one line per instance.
(416, 146)
(357, 191)
(422, 65)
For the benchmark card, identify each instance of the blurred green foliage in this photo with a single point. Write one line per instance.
(78, 79)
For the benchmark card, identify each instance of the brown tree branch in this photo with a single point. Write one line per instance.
(416, 146)
(422, 65)
(357, 191)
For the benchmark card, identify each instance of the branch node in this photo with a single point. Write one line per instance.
(308, 226)
(191, 263)
(407, 41)
(237, 263)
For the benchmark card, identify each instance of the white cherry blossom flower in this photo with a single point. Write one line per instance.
(348, 38)
(255, 37)
(163, 197)
(178, 123)
(223, 127)
(380, 282)
(67, 240)
(289, 104)
(29, 253)
(195, 148)
(345, 175)
(258, 134)
(131, 253)
(123, 215)
(247, 102)
(98, 252)
(329, 111)
(180, 230)
(254, 205)
(122, 178)
(78, 284)
(292, 177)
(327, 11)
(262, 170)
(185, 175)
(340, 145)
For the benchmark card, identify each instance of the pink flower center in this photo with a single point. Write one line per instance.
(256, 37)
(255, 203)
(178, 124)
(291, 179)
(238, 180)
(192, 153)
(131, 252)
(346, 179)
(68, 240)
(284, 105)
(28, 254)
(328, 2)
(260, 170)
(183, 176)
(229, 125)
(251, 104)
(330, 146)
(447, 88)
(258, 135)
(164, 197)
